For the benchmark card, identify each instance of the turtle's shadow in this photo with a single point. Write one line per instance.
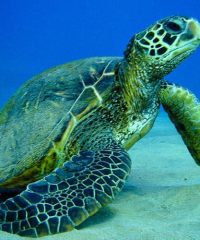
(109, 212)
(104, 215)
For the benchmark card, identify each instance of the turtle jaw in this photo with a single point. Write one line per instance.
(188, 41)
(191, 34)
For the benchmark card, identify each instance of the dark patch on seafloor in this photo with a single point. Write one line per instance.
(104, 215)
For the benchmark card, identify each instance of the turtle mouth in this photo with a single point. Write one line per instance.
(188, 47)
(189, 40)
(185, 49)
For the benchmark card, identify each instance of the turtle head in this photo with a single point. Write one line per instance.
(165, 44)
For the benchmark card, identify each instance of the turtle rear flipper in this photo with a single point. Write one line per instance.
(69, 195)
(183, 109)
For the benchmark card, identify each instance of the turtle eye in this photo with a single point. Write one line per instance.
(172, 27)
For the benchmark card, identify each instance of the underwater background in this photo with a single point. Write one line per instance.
(38, 34)
(161, 198)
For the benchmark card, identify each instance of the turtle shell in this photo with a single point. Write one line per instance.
(41, 111)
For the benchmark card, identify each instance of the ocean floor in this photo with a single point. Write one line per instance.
(161, 200)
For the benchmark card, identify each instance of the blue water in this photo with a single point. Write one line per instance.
(38, 34)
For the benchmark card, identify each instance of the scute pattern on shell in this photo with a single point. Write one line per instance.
(39, 112)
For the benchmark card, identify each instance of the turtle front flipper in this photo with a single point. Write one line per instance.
(69, 195)
(183, 109)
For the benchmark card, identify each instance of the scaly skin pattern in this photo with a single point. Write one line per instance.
(68, 196)
(97, 170)
(105, 118)
(128, 117)
(183, 109)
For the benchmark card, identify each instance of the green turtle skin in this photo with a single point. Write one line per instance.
(66, 132)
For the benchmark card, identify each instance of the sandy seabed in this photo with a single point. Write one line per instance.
(161, 200)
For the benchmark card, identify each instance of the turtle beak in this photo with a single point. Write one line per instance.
(191, 35)
(194, 29)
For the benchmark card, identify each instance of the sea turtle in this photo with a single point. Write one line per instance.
(66, 132)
